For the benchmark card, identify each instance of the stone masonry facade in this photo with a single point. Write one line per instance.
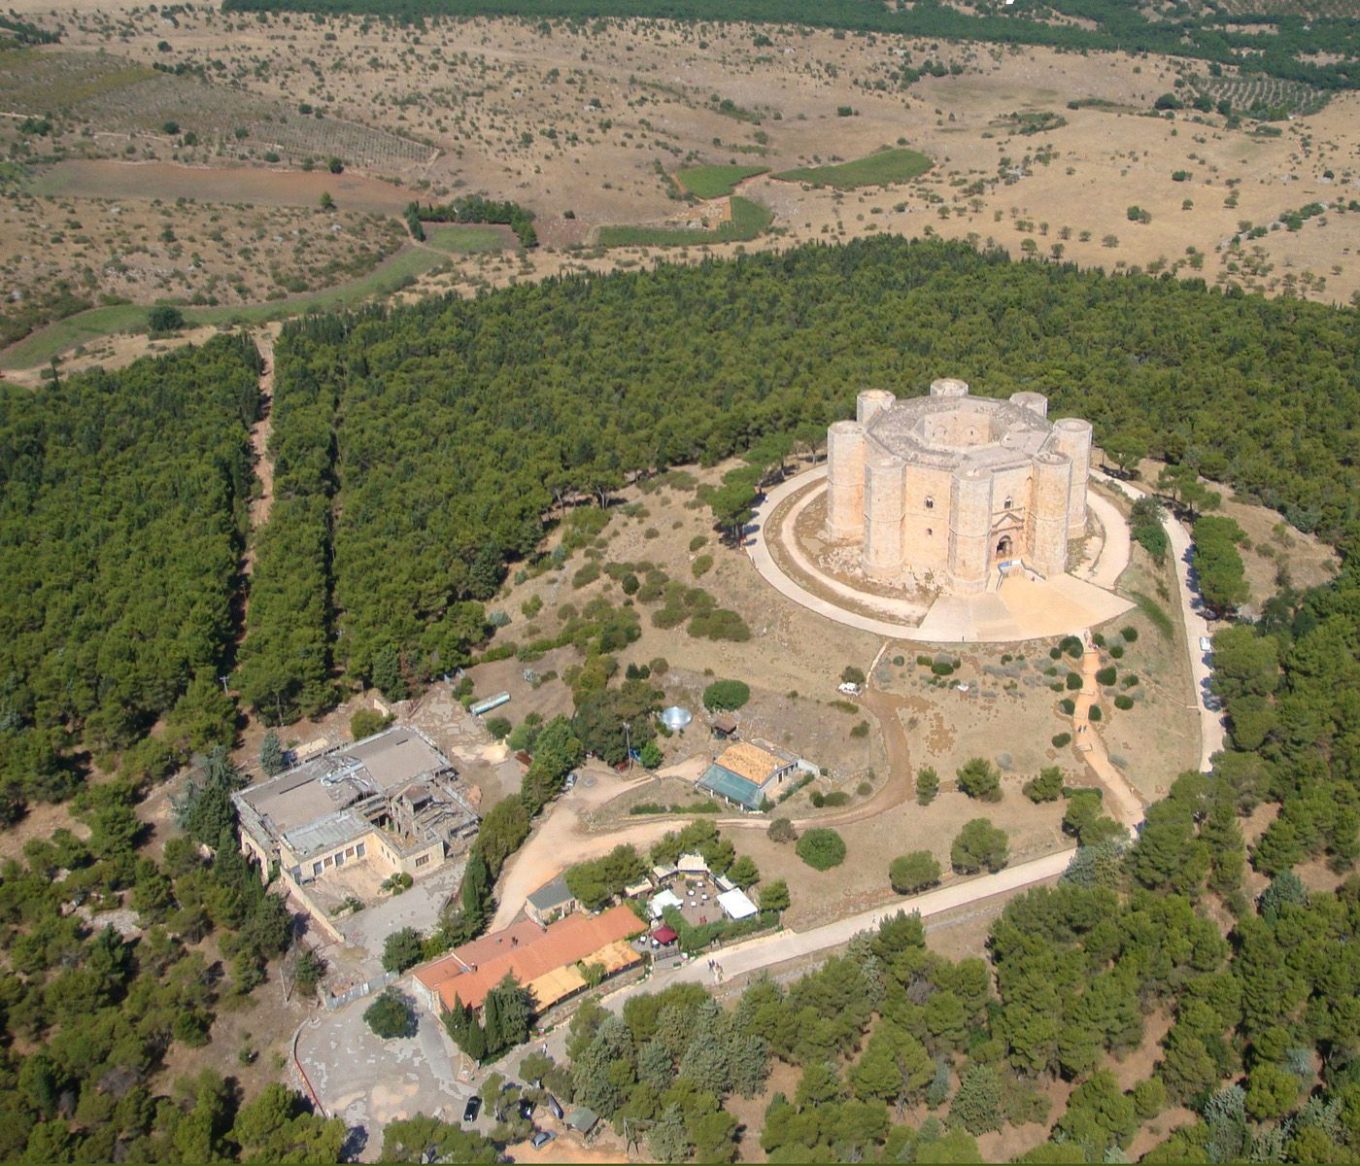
(951, 491)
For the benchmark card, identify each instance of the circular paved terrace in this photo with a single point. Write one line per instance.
(1020, 609)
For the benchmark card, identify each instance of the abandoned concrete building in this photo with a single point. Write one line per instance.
(391, 801)
(952, 491)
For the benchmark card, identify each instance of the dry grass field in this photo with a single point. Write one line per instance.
(1000, 703)
(206, 253)
(588, 124)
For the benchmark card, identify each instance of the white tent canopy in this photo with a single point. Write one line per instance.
(736, 905)
(661, 901)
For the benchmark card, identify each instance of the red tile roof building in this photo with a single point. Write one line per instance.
(542, 959)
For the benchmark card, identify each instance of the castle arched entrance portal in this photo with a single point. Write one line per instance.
(1004, 547)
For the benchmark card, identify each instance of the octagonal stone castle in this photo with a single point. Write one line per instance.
(954, 491)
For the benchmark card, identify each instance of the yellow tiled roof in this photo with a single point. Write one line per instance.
(750, 761)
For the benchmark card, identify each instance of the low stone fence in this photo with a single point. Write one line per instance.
(359, 991)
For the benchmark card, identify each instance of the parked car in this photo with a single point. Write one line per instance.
(542, 1138)
(555, 1107)
(472, 1108)
(526, 1108)
(1206, 644)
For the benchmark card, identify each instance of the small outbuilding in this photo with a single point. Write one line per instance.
(747, 773)
(724, 725)
(583, 1121)
(551, 901)
(638, 889)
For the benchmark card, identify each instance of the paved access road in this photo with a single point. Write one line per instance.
(768, 950)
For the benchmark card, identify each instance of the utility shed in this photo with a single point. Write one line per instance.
(583, 1120)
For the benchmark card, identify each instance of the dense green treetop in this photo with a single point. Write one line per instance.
(122, 499)
(565, 388)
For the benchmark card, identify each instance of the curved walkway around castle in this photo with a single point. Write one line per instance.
(1020, 609)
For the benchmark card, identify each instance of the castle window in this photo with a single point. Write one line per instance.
(1007, 504)
(422, 860)
(930, 530)
(930, 502)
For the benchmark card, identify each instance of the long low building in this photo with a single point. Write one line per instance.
(549, 961)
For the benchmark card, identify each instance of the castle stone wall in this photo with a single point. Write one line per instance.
(1072, 439)
(1048, 518)
(970, 530)
(884, 494)
(845, 475)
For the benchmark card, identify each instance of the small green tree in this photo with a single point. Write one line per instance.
(821, 848)
(744, 872)
(650, 755)
(910, 873)
(775, 896)
(726, 695)
(1047, 787)
(507, 1014)
(271, 754)
(979, 845)
(732, 502)
(927, 785)
(391, 1016)
(401, 950)
(163, 319)
(977, 1105)
(365, 722)
(979, 778)
(307, 973)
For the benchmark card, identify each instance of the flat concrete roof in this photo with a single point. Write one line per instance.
(381, 764)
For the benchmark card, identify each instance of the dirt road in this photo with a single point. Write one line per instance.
(1213, 728)
(564, 838)
(1124, 801)
(259, 443)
